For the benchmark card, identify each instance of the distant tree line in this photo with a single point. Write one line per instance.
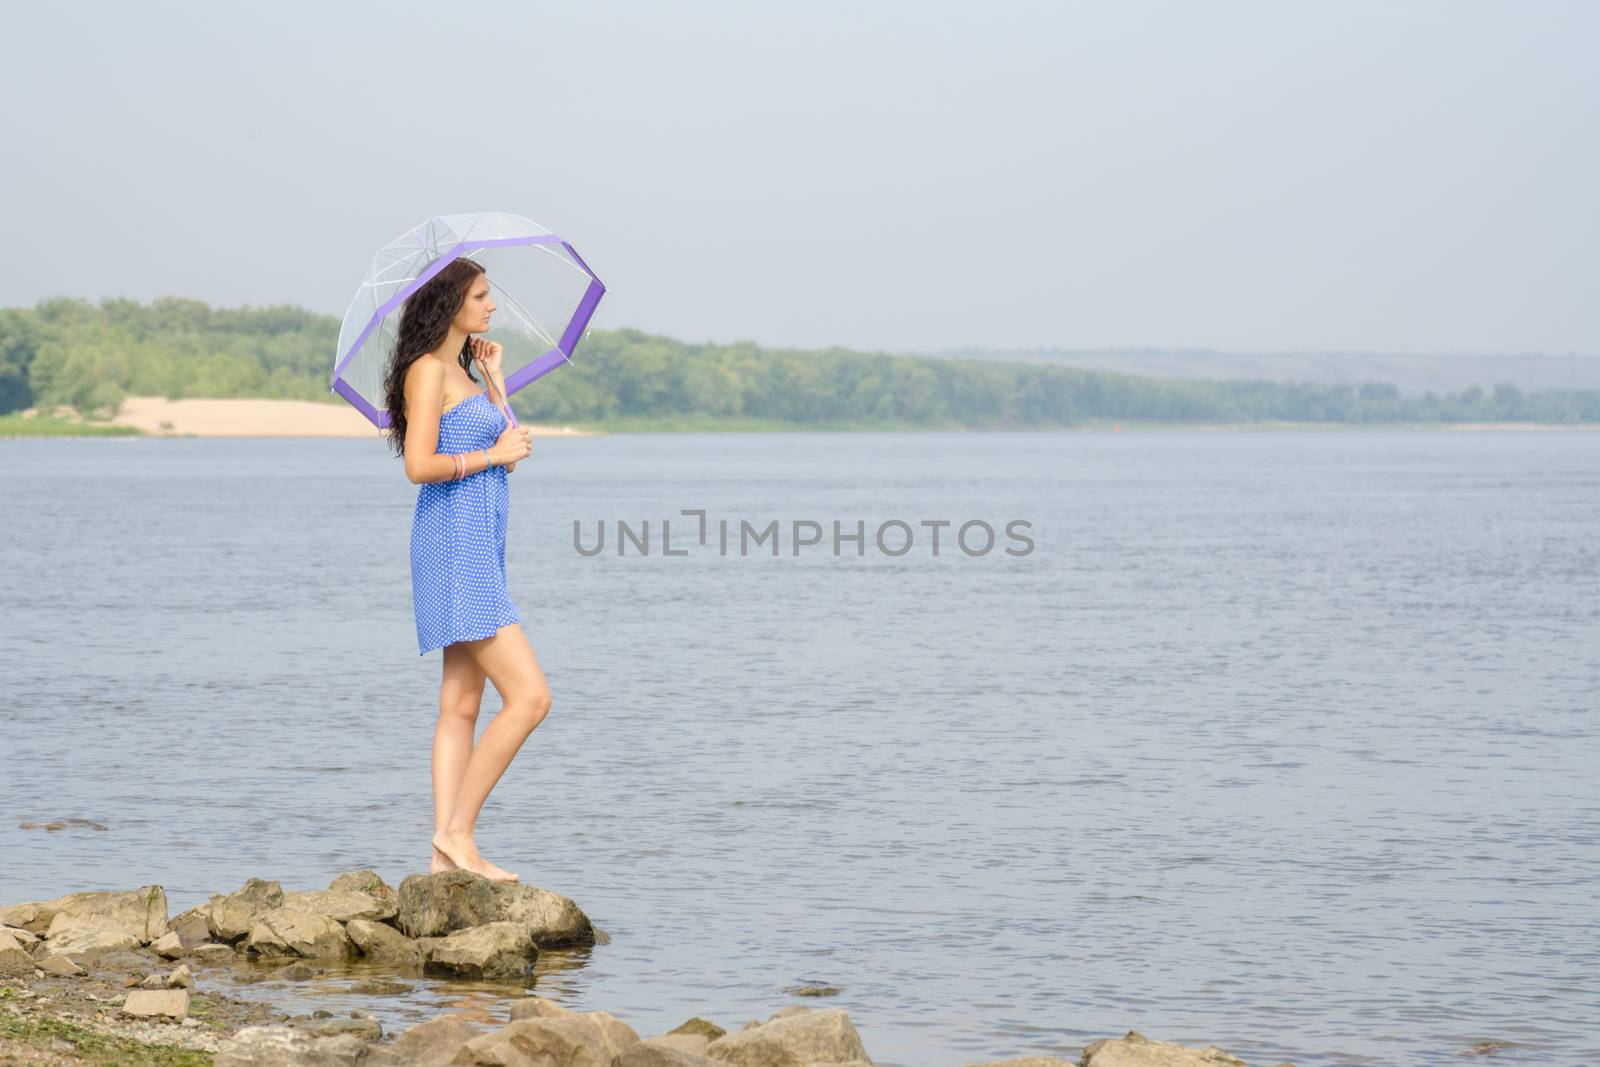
(87, 356)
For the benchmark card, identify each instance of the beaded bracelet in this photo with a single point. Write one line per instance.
(486, 463)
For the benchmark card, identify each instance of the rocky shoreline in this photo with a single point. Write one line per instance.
(107, 978)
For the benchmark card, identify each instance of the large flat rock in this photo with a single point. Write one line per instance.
(141, 912)
(432, 905)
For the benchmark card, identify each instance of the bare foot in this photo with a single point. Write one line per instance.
(460, 850)
(498, 873)
(440, 863)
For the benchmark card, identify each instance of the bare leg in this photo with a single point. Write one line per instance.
(508, 661)
(460, 697)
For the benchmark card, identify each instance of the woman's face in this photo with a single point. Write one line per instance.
(476, 309)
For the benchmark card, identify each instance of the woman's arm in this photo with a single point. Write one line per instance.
(424, 389)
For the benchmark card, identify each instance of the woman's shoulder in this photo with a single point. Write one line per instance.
(425, 375)
(425, 368)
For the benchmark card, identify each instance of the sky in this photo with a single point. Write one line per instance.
(1400, 176)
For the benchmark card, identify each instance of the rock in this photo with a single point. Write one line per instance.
(125, 961)
(286, 1046)
(614, 1030)
(26, 938)
(181, 976)
(552, 920)
(1489, 1048)
(379, 987)
(493, 950)
(380, 941)
(288, 932)
(169, 946)
(813, 990)
(141, 912)
(795, 1035)
(341, 905)
(33, 916)
(59, 965)
(154, 981)
(62, 824)
(1028, 1061)
(365, 881)
(433, 904)
(193, 927)
(697, 1025)
(15, 961)
(1136, 1050)
(86, 942)
(297, 972)
(211, 952)
(430, 1044)
(366, 1028)
(537, 1007)
(665, 1051)
(570, 1041)
(231, 917)
(13, 938)
(167, 1003)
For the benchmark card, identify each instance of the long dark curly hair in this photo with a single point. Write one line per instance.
(425, 320)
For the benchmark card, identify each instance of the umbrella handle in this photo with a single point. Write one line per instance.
(504, 403)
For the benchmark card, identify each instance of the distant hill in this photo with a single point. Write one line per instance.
(1413, 375)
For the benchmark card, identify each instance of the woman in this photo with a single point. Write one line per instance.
(459, 447)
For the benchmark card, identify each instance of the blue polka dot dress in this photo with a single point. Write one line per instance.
(458, 538)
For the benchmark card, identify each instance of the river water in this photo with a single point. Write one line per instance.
(1281, 741)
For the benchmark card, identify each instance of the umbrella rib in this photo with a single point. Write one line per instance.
(528, 317)
(551, 250)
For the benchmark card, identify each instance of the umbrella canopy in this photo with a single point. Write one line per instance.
(544, 293)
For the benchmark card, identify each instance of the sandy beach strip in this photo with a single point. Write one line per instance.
(196, 417)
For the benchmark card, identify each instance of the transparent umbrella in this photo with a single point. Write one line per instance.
(544, 294)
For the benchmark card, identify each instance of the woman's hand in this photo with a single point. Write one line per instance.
(514, 444)
(487, 354)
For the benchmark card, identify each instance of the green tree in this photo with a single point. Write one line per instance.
(19, 344)
(87, 377)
